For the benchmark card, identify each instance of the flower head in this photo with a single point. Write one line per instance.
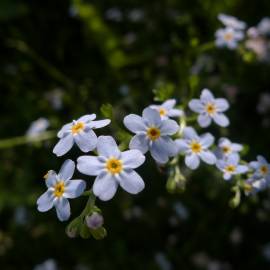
(112, 168)
(228, 37)
(254, 185)
(261, 168)
(230, 166)
(195, 148)
(80, 132)
(152, 134)
(37, 127)
(60, 189)
(210, 108)
(226, 148)
(167, 110)
(233, 22)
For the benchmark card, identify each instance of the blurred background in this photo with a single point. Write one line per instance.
(63, 59)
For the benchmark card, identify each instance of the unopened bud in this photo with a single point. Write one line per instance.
(94, 221)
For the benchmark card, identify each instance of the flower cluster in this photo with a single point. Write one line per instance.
(156, 132)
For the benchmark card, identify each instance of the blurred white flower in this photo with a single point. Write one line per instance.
(162, 261)
(49, 264)
(228, 37)
(233, 22)
(264, 26)
(37, 127)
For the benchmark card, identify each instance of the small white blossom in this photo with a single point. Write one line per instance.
(226, 148)
(167, 110)
(210, 108)
(80, 132)
(233, 22)
(261, 168)
(49, 264)
(264, 26)
(60, 189)
(230, 166)
(112, 168)
(153, 134)
(37, 127)
(195, 147)
(228, 37)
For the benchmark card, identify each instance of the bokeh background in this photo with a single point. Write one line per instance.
(63, 59)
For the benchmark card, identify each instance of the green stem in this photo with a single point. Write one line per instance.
(90, 203)
(15, 141)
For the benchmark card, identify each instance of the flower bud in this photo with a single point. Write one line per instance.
(94, 221)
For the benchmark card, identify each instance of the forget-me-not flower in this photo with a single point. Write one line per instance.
(80, 132)
(60, 189)
(228, 37)
(167, 110)
(153, 134)
(230, 166)
(195, 147)
(210, 108)
(261, 168)
(112, 168)
(233, 22)
(226, 148)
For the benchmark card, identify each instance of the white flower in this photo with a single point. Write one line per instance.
(37, 127)
(228, 37)
(255, 185)
(230, 21)
(210, 108)
(152, 134)
(49, 264)
(166, 109)
(264, 26)
(230, 166)
(112, 168)
(60, 189)
(226, 148)
(195, 148)
(261, 168)
(79, 132)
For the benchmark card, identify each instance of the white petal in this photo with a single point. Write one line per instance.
(182, 145)
(233, 159)
(51, 178)
(107, 147)
(169, 127)
(206, 96)
(139, 142)
(134, 123)
(90, 165)
(168, 104)
(192, 161)
(221, 104)
(196, 105)
(86, 141)
(152, 117)
(207, 140)
(99, 123)
(64, 130)
(208, 157)
(237, 147)
(227, 176)
(241, 169)
(105, 187)
(131, 182)
(262, 160)
(74, 188)
(190, 133)
(67, 170)
(64, 145)
(45, 201)
(132, 159)
(204, 120)
(62, 209)
(175, 113)
(221, 119)
(87, 118)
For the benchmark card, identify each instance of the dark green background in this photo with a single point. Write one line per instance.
(47, 45)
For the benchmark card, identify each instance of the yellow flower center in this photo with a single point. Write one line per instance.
(226, 150)
(59, 189)
(195, 147)
(114, 166)
(162, 112)
(264, 170)
(153, 133)
(210, 108)
(230, 168)
(77, 128)
(228, 36)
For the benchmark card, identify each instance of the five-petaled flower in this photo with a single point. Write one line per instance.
(60, 189)
(167, 109)
(195, 147)
(80, 132)
(226, 148)
(230, 166)
(112, 168)
(228, 37)
(233, 22)
(210, 108)
(153, 134)
(261, 168)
